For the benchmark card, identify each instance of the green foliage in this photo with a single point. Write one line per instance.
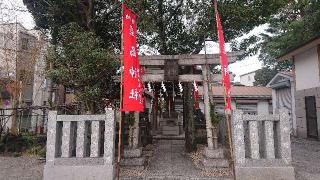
(263, 76)
(23, 144)
(180, 27)
(215, 118)
(39, 151)
(171, 27)
(81, 63)
(87, 33)
(292, 25)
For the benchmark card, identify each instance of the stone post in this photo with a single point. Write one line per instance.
(254, 139)
(135, 142)
(51, 137)
(205, 70)
(66, 137)
(109, 137)
(81, 137)
(238, 137)
(284, 139)
(95, 139)
(269, 141)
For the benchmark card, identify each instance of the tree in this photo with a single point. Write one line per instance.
(80, 63)
(291, 26)
(170, 27)
(181, 26)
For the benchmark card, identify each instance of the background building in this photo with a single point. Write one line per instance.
(248, 78)
(22, 65)
(306, 59)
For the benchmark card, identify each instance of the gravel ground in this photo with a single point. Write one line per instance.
(305, 155)
(21, 168)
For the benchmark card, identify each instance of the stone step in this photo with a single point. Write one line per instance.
(161, 137)
(140, 161)
(218, 163)
(170, 130)
(132, 153)
(214, 153)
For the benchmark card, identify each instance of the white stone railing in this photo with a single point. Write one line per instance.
(78, 144)
(261, 139)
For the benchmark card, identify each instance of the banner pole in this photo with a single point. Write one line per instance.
(227, 111)
(121, 98)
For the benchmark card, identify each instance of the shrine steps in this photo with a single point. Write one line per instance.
(163, 137)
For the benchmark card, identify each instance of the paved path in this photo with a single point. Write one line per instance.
(306, 158)
(21, 168)
(170, 161)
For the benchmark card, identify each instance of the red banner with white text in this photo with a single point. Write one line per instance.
(132, 83)
(224, 64)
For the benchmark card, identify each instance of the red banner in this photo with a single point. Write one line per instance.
(196, 95)
(224, 65)
(132, 83)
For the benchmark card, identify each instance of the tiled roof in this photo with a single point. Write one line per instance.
(243, 91)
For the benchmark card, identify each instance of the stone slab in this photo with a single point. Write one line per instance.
(265, 173)
(213, 153)
(218, 163)
(133, 161)
(79, 161)
(170, 128)
(132, 153)
(78, 172)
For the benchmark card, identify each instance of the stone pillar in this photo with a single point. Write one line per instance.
(95, 139)
(109, 137)
(284, 139)
(269, 141)
(274, 101)
(80, 149)
(238, 137)
(205, 70)
(51, 137)
(66, 137)
(135, 142)
(254, 140)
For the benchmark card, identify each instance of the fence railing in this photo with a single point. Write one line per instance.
(261, 140)
(80, 140)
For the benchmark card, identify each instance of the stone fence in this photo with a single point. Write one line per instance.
(80, 146)
(262, 148)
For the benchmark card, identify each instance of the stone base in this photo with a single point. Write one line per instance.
(132, 153)
(216, 163)
(78, 172)
(213, 153)
(265, 173)
(140, 161)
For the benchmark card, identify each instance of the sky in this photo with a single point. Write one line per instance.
(249, 64)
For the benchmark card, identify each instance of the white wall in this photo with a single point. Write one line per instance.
(247, 79)
(263, 107)
(307, 69)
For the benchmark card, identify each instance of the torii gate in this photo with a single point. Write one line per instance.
(169, 64)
